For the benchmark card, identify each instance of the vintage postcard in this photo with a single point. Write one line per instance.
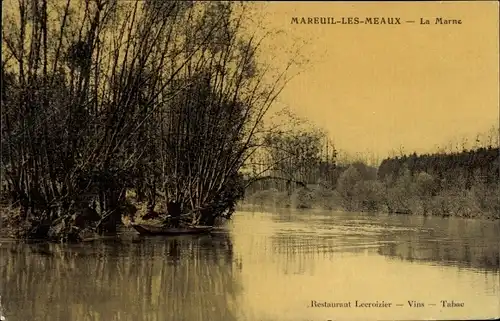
(249, 161)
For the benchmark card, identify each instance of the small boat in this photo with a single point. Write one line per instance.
(144, 229)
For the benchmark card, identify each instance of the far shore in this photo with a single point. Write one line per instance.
(303, 200)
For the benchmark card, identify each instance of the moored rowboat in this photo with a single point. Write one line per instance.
(144, 229)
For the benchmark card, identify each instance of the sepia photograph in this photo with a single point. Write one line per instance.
(178, 160)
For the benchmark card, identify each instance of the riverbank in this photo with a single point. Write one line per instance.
(76, 227)
(464, 204)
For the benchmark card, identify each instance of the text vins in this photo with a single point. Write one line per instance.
(415, 304)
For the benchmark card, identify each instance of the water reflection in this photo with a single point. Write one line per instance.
(456, 242)
(184, 278)
(2, 317)
(292, 258)
(268, 267)
(444, 241)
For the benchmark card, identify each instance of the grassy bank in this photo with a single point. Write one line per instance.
(479, 201)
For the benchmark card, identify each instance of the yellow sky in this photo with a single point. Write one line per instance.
(377, 87)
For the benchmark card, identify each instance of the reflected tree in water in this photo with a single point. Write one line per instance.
(166, 279)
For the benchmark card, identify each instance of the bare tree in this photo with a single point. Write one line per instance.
(104, 96)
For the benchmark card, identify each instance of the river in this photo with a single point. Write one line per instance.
(278, 266)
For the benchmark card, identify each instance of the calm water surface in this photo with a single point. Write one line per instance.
(267, 266)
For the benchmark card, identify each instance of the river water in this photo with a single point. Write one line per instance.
(276, 266)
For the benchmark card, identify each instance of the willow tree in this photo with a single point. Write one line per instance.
(214, 122)
(109, 95)
(299, 154)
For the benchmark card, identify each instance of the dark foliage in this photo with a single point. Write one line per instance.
(483, 162)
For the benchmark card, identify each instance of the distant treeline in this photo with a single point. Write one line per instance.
(468, 165)
(465, 184)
